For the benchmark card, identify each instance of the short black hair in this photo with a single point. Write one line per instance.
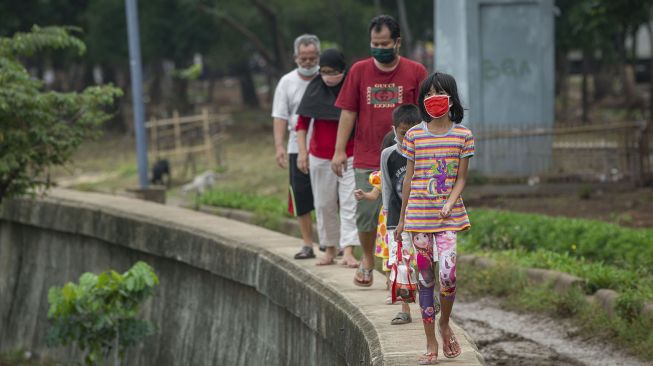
(406, 113)
(388, 140)
(441, 82)
(378, 22)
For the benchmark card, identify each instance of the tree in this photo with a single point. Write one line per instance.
(40, 129)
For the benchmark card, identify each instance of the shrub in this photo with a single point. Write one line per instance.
(100, 313)
(598, 241)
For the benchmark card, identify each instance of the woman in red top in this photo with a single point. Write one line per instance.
(335, 205)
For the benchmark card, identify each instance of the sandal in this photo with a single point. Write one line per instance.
(451, 341)
(428, 359)
(388, 300)
(401, 318)
(363, 277)
(305, 253)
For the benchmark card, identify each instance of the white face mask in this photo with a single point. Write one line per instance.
(394, 130)
(308, 72)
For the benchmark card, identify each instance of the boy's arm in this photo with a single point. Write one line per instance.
(405, 194)
(386, 180)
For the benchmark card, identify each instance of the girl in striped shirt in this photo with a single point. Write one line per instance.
(437, 152)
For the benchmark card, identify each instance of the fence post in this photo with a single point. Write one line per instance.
(175, 121)
(155, 138)
(645, 169)
(208, 143)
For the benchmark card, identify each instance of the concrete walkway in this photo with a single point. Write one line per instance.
(400, 344)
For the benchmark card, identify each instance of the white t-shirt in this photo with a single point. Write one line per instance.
(287, 97)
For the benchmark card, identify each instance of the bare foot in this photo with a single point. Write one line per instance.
(349, 261)
(450, 346)
(325, 261)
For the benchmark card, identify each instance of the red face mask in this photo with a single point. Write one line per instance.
(437, 105)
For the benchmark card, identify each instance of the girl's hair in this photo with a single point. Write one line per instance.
(441, 82)
(388, 140)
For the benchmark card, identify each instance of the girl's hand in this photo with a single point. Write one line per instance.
(359, 194)
(399, 230)
(446, 210)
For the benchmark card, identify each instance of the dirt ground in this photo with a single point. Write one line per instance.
(630, 207)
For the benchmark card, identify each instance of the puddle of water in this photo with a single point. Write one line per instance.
(511, 339)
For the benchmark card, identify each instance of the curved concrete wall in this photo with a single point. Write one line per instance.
(230, 293)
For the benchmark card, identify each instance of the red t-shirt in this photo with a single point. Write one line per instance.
(323, 141)
(374, 94)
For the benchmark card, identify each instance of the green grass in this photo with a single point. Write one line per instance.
(21, 358)
(269, 212)
(245, 201)
(629, 249)
(606, 255)
(630, 333)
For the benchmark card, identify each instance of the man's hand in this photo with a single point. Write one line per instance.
(302, 162)
(339, 163)
(282, 157)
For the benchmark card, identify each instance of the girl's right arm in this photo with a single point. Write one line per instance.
(405, 194)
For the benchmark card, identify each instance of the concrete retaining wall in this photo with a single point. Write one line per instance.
(229, 294)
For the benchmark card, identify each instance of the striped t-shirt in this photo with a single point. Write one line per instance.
(436, 160)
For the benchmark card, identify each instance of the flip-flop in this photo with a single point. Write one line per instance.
(366, 274)
(451, 341)
(401, 318)
(430, 358)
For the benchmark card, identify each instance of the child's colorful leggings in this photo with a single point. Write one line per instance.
(431, 247)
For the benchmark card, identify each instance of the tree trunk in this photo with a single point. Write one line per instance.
(342, 35)
(406, 35)
(562, 85)
(584, 87)
(247, 87)
(649, 27)
(272, 16)
(180, 98)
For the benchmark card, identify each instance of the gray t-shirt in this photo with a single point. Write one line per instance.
(287, 97)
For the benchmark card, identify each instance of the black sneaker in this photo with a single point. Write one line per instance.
(305, 253)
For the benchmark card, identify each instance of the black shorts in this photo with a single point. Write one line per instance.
(300, 195)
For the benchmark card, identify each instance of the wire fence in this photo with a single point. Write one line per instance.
(608, 152)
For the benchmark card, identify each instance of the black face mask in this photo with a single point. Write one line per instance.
(383, 55)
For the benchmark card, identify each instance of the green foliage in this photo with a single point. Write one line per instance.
(630, 249)
(40, 129)
(192, 72)
(100, 313)
(245, 201)
(269, 212)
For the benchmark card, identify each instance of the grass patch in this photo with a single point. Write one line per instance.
(631, 249)
(23, 358)
(269, 212)
(606, 255)
(630, 333)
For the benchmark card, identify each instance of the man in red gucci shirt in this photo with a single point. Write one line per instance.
(373, 88)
